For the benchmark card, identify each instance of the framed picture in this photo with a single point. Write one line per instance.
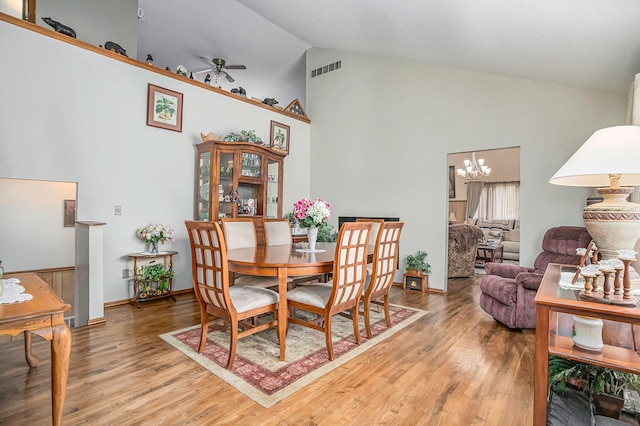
(164, 108)
(69, 213)
(452, 181)
(280, 137)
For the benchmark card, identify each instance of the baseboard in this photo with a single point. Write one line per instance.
(127, 301)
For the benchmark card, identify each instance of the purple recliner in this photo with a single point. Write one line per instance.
(507, 291)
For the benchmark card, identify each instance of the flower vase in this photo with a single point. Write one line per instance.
(312, 235)
(154, 247)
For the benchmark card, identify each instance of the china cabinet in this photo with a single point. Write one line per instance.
(235, 179)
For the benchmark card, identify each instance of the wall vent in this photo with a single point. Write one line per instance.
(71, 321)
(326, 68)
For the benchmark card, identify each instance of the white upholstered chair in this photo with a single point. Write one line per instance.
(241, 233)
(344, 291)
(385, 260)
(234, 304)
(278, 232)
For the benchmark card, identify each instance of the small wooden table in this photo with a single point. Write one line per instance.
(43, 315)
(489, 253)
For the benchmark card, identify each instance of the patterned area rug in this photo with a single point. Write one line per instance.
(257, 371)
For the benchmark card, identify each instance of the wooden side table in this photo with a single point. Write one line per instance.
(489, 253)
(139, 293)
(416, 282)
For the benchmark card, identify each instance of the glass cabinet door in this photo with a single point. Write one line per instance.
(224, 193)
(251, 165)
(202, 206)
(273, 185)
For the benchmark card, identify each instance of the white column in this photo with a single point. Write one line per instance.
(89, 274)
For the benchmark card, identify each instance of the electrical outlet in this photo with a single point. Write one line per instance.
(117, 210)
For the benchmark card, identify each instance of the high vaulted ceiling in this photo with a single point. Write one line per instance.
(585, 43)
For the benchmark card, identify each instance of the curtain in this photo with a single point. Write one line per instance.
(499, 200)
(474, 190)
(633, 117)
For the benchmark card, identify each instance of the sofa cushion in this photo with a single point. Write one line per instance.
(494, 235)
(510, 247)
(513, 235)
(502, 289)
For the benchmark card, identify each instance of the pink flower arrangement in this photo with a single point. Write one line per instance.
(311, 213)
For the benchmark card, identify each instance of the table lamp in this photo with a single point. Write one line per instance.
(611, 156)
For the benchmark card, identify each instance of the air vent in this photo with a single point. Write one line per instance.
(71, 321)
(326, 68)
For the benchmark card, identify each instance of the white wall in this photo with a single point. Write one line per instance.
(75, 116)
(95, 21)
(32, 231)
(381, 135)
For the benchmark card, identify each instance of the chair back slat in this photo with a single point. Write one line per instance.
(375, 228)
(350, 262)
(385, 256)
(276, 232)
(209, 264)
(239, 233)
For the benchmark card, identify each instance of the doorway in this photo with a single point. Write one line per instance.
(505, 173)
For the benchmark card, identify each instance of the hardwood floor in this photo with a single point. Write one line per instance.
(454, 366)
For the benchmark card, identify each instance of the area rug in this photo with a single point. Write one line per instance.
(257, 371)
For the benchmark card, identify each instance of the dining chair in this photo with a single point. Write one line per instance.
(373, 236)
(241, 233)
(345, 289)
(385, 260)
(216, 297)
(278, 232)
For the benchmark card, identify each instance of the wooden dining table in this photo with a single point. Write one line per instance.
(281, 261)
(43, 315)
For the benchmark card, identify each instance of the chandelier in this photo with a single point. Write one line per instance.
(474, 169)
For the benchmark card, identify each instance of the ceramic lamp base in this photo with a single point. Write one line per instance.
(587, 333)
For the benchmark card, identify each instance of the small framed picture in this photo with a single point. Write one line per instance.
(164, 108)
(69, 213)
(452, 181)
(280, 137)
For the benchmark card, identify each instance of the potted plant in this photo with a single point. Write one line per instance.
(154, 273)
(605, 385)
(416, 264)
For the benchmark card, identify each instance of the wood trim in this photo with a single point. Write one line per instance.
(101, 51)
(96, 321)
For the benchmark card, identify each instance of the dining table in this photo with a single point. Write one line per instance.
(282, 261)
(43, 315)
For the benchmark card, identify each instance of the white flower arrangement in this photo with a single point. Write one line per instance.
(309, 214)
(156, 233)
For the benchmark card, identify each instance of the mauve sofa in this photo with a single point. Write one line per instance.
(507, 291)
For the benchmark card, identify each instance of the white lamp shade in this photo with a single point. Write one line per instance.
(612, 150)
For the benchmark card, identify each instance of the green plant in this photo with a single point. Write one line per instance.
(154, 272)
(588, 377)
(164, 107)
(326, 234)
(417, 261)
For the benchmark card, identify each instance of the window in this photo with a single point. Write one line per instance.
(499, 200)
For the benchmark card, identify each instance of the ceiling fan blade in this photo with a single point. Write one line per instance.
(229, 78)
(207, 58)
(235, 67)
(202, 71)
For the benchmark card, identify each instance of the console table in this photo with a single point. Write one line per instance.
(145, 289)
(554, 306)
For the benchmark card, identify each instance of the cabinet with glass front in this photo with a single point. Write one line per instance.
(237, 179)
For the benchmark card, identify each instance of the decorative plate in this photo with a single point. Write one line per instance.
(204, 192)
(182, 70)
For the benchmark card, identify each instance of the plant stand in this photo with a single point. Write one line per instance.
(416, 282)
(144, 290)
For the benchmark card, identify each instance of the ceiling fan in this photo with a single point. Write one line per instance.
(218, 67)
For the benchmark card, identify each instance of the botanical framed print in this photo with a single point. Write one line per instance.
(452, 181)
(69, 213)
(164, 108)
(280, 136)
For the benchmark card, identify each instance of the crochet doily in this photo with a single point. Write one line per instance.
(13, 292)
